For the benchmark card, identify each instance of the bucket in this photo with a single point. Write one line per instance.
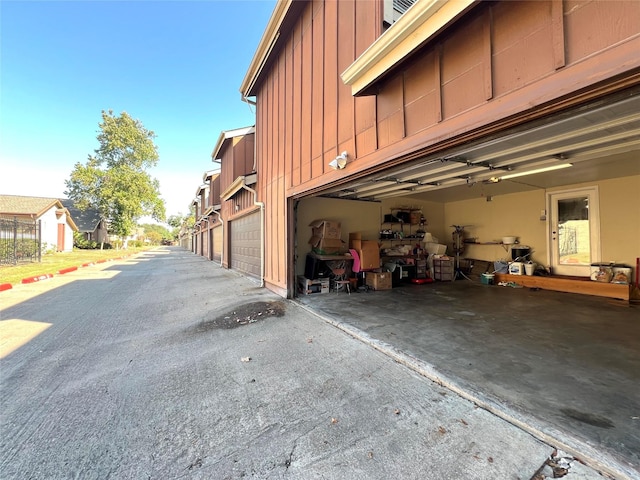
(529, 268)
(521, 252)
(487, 278)
(501, 267)
(516, 268)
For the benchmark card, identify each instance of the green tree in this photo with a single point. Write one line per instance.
(178, 221)
(115, 179)
(156, 233)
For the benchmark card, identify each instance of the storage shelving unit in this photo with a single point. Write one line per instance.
(404, 231)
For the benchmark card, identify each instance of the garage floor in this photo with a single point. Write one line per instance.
(563, 365)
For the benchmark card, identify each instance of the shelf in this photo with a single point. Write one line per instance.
(405, 239)
(506, 246)
(582, 286)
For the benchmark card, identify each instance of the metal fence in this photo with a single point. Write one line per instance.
(20, 241)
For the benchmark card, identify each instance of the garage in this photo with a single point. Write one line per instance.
(217, 243)
(537, 182)
(245, 244)
(501, 342)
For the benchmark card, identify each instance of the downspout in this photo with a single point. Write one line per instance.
(247, 100)
(261, 205)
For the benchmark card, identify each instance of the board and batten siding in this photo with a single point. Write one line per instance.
(307, 116)
(495, 67)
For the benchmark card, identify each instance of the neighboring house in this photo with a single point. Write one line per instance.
(89, 221)
(229, 218)
(185, 237)
(240, 212)
(438, 109)
(207, 231)
(57, 223)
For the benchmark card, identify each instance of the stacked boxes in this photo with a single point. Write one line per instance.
(368, 251)
(421, 268)
(443, 269)
(325, 237)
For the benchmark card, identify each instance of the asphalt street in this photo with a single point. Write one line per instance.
(166, 366)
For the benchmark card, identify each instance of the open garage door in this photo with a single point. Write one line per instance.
(217, 244)
(245, 244)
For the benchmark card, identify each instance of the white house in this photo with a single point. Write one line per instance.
(57, 224)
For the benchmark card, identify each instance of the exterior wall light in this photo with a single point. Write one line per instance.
(339, 162)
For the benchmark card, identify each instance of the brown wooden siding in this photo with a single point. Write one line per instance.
(501, 60)
(345, 102)
(421, 93)
(306, 114)
(521, 51)
(214, 197)
(243, 155)
(226, 167)
(592, 27)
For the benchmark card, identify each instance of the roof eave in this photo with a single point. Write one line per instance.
(226, 135)
(268, 40)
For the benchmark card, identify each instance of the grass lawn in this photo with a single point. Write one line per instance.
(54, 262)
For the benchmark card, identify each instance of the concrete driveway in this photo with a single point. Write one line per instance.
(564, 366)
(165, 366)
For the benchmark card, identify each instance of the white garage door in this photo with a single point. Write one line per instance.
(217, 244)
(245, 244)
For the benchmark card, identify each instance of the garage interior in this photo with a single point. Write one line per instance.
(565, 364)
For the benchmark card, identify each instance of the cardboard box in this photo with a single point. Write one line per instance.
(369, 255)
(324, 246)
(368, 251)
(378, 281)
(355, 240)
(326, 229)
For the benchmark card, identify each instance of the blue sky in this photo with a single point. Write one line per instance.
(175, 66)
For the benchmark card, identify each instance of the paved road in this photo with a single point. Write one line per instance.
(165, 366)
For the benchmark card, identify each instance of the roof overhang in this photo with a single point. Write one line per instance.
(211, 175)
(414, 28)
(200, 189)
(228, 134)
(208, 211)
(237, 185)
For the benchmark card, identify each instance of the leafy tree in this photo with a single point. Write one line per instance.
(177, 221)
(115, 179)
(156, 233)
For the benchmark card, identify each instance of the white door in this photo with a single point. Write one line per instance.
(574, 231)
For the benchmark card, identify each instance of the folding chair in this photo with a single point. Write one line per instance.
(339, 275)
